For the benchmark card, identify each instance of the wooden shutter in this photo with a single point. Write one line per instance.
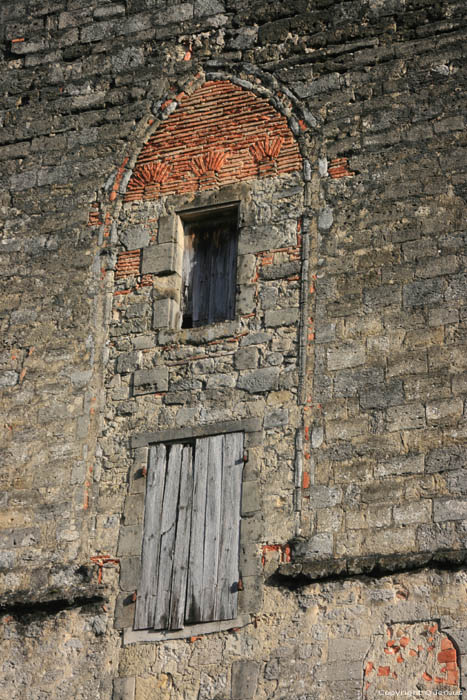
(210, 274)
(167, 521)
(191, 533)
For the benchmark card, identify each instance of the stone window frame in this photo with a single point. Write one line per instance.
(130, 539)
(164, 259)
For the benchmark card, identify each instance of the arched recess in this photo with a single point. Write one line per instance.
(218, 146)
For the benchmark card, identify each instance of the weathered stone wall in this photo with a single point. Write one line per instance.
(357, 379)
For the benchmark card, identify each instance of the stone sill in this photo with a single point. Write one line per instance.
(131, 636)
(201, 335)
(303, 570)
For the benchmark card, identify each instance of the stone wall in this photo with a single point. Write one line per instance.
(346, 354)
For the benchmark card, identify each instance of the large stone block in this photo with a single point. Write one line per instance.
(445, 509)
(148, 381)
(124, 688)
(166, 313)
(244, 679)
(259, 381)
(162, 259)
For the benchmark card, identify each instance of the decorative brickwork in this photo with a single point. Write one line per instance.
(219, 135)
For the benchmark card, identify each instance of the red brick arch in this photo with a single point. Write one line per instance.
(219, 135)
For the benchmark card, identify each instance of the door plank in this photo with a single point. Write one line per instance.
(167, 542)
(228, 572)
(182, 542)
(146, 598)
(212, 527)
(196, 556)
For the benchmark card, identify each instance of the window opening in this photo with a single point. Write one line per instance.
(191, 533)
(209, 266)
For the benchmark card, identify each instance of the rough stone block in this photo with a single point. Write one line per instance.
(382, 296)
(280, 271)
(446, 459)
(124, 688)
(134, 509)
(382, 395)
(246, 268)
(250, 600)
(346, 356)
(259, 381)
(427, 292)
(130, 540)
(345, 650)
(444, 411)
(254, 239)
(406, 417)
(246, 358)
(276, 417)
(250, 497)
(281, 317)
(135, 237)
(124, 611)
(8, 378)
(337, 671)
(245, 302)
(166, 314)
(130, 569)
(162, 259)
(249, 560)
(407, 363)
(170, 230)
(349, 382)
(408, 513)
(444, 509)
(244, 679)
(149, 381)
(325, 496)
(318, 546)
(128, 362)
(109, 11)
(405, 464)
(345, 429)
(252, 529)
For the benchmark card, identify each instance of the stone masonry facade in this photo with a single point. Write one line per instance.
(333, 136)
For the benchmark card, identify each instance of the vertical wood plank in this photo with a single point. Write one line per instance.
(228, 572)
(223, 275)
(212, 528)
(182, 542)
(231, 275)
(201, 277)
(187, 279)
(167, 541)
(147, 592)
(196, 556)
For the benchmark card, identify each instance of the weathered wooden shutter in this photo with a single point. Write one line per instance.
(191, 533)
(209, 276)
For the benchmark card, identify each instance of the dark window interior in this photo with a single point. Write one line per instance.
(209, 266)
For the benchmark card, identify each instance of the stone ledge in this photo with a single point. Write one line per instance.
(303, 571)
(78, 589)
